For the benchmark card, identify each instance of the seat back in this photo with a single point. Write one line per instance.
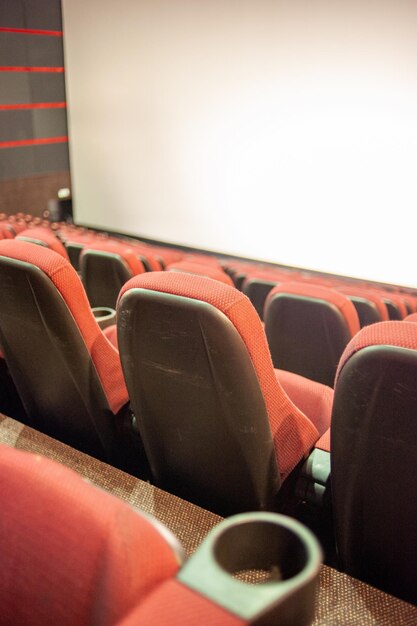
(67, 373)
(43, 237)
(71, 553)
(105, 266)
(394, 303)
(368, 304)
(75, 239)
(200, 269)
(215, 423)
(308, 327)
(257, 290)
(374, 461)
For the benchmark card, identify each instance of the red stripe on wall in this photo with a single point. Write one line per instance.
(8, 68)
(33, 142)
(31, 31)
(33, 105)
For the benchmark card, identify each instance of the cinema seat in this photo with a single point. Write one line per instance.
(396, 307)
(217, 425)
(369, 306)
(74, 239)
(374, 457)
(105, 266)
(71, 553)
(308, 327)
(43, 237)
(6, 231)
(210, 270)
(67, 373)
(166, 256)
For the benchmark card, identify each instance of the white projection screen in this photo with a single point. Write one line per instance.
(283, 131)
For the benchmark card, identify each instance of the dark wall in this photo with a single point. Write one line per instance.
(33, 128)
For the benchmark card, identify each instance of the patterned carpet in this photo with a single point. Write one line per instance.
(341, 600)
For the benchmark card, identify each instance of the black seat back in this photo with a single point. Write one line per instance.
(374, 465)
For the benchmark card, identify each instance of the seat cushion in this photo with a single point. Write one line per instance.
(312, 398)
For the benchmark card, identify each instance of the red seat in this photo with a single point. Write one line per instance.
(373, 457)
(395, 304)
(209, 270)
(67, 373)
(105, 266)
(166, 256)
(71, 553)
(200, 376)
(75, 238)
(307, 327)
(44, 237)
(6, 231)
(369, 306)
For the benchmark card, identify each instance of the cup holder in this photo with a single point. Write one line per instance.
(262, 567)
(105, 316)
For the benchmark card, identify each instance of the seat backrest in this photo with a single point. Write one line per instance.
(410, 302)
(75, 239)
(44, 237)
(6, 231)
(67, 373)
(257, 288)
(368, 304)
(216, 424)
(166, 256)
(71, 553)
(105, 266)
(200, 269)
(394, 303)
(374, 460)
(308, 327)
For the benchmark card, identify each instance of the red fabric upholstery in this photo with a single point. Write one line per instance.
(173, 604)
(324, 442)
(70, 553)
(393, 333)
(293, 433)
(5, 231)
(340, 301)
(372, 296)
(203, 259)
(105, 357)
(271, 275)
(202, 270)
(148, 253)
(312, 398)
(111, 333)
(167, 255)
(412, 317)
(16, 225)
(73, 234)
(126, 253)
(46, 236)
(396, 299)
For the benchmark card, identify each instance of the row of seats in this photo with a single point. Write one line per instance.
(311, 350)
(207, 402)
